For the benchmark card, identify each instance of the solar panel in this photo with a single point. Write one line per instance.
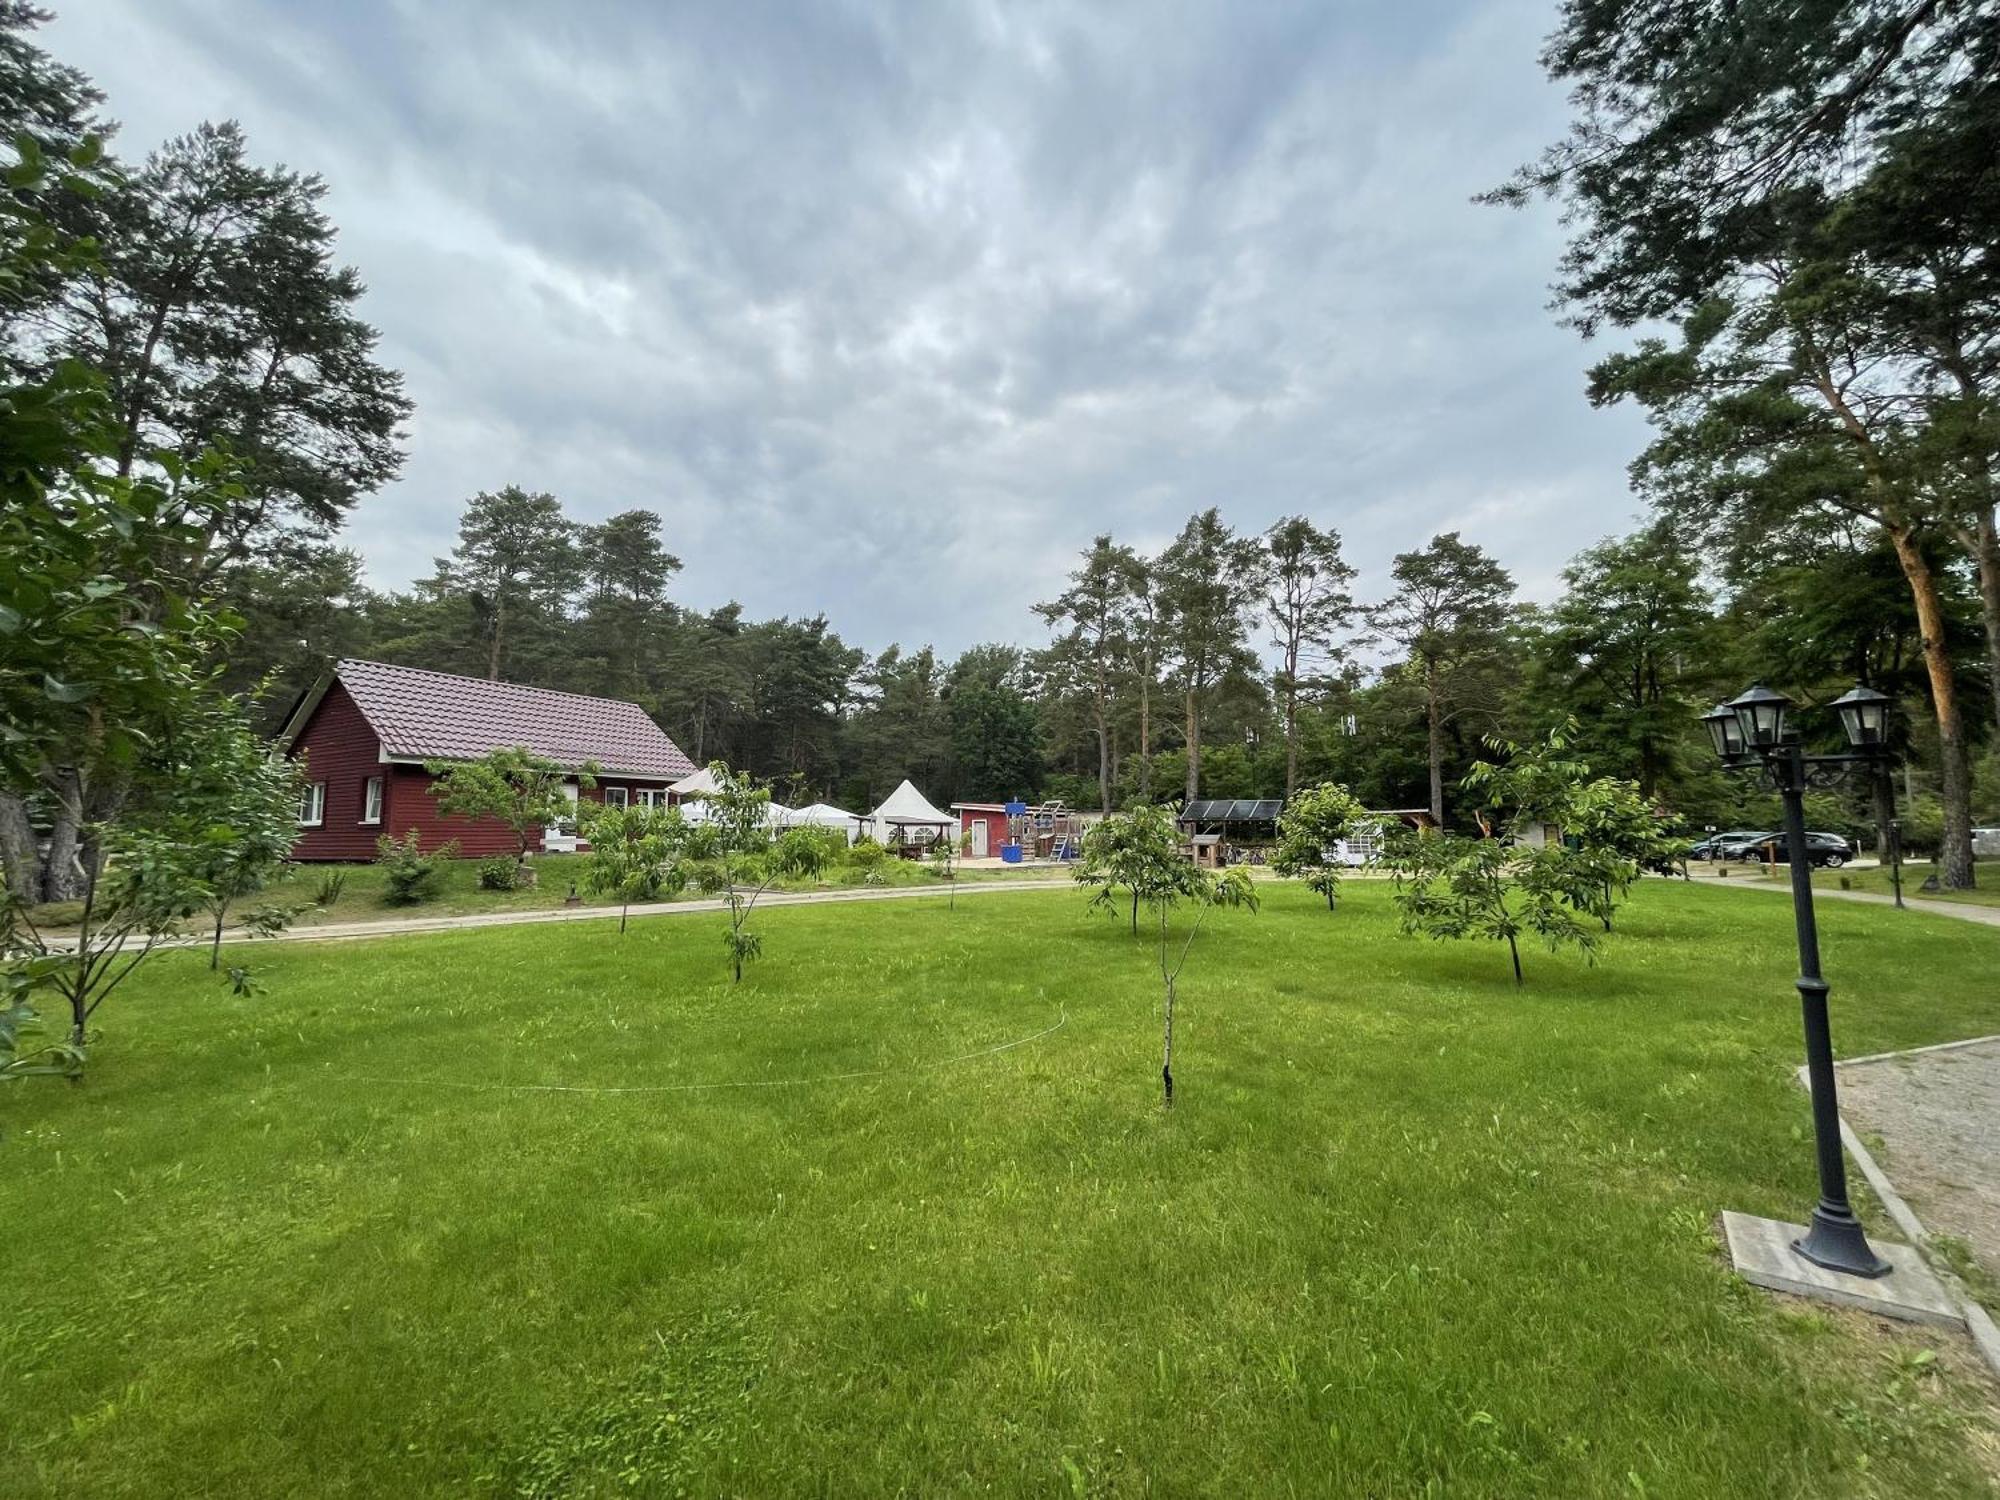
(1233, 810)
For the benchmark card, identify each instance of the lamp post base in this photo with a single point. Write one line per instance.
(1764, 1253)
(1836, 1242)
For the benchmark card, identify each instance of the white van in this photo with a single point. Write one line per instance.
(1986, 842)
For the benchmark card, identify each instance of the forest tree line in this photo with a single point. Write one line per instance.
(1819, 505)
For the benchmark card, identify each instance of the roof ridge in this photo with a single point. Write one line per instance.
(484, 682)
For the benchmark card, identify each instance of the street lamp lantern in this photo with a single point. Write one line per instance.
(1757, 742)
(1725, 731)
(1864, 714)
(1761, 713)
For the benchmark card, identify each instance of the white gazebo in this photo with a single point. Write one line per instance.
(824, 815)
(905, 811)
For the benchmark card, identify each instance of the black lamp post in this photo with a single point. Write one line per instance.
(1750, 734)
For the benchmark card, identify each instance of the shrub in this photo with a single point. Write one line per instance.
(331, 884)
(409, 874)
(865, 854)
(498, 874)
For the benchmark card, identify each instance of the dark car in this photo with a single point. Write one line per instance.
(1710, 847)
(1827, 850)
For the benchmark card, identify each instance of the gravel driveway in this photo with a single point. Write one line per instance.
(1937, 1114)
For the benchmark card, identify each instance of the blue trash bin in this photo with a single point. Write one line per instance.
(1010, 854)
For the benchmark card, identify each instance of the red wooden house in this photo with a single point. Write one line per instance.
(367, 729)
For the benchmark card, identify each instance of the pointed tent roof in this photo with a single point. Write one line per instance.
(700, 783)
(908, 805)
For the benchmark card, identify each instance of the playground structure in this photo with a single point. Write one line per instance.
(1047, 830)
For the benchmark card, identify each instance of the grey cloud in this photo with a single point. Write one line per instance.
(888, 309)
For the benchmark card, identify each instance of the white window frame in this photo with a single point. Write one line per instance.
(617, 796)
(371, 800)
(652, 796)
(312, 805)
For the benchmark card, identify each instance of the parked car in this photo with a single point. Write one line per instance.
(1828, 850)
(1986, 842)
(1708, 847)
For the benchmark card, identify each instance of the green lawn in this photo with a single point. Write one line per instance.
(1408, 1231)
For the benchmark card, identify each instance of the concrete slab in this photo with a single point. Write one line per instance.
(1762, 1252)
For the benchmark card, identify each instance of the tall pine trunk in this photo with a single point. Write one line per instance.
(494, 653)
(1955, 776)
(20, 850)
(1193, 745)
(1146, 728)
(1983, 541)
(62, 871)
(1434, 720)
(1103, 752)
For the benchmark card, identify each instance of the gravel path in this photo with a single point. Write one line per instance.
(1965, 911)
(1937, 1113)
(394, 926)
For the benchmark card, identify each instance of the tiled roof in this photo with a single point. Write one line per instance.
(440, 716)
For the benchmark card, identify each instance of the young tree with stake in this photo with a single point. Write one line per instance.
(738, 826)
(1309, 834)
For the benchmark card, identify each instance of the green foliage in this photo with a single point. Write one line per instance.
(865, 853)
(1137, 851)
(636, 853)
(233, 807)
(1447, 616)
(499, 873)
(331, 883)
(410, 875)
(1558, 847)
(518, 788)
(747, 859)
(1205, 586)
(1313, 824)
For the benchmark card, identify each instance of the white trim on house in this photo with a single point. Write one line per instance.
(312, 805)
(371, 800)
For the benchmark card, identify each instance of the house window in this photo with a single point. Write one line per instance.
(652, 796)
(614, 796)
(371, 800)
(312, 805)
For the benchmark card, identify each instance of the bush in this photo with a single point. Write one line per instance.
(331, 884)
(1923, 827)
(706, 876)
(865, 854)
(497, 874)
(409, 874)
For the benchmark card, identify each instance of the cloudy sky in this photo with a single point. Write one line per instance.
(888, 308)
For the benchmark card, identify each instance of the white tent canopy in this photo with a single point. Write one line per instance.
(906, 807)
(700, 782)
(823, 815)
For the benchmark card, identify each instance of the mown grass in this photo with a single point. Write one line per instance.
(1407, 1231)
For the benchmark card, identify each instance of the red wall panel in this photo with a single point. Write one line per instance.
(412, 806)
(340, 749)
